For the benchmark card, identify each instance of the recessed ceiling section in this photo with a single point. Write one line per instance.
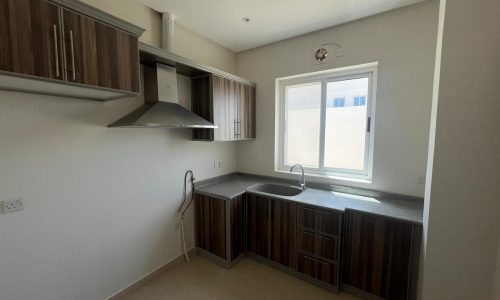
(271, 21)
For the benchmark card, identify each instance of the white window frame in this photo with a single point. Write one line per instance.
(353, 72)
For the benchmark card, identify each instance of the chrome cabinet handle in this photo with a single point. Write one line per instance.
(72, 54)
(237, 129)
(56, 50)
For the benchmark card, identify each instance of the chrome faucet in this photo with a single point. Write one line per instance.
(302, 182)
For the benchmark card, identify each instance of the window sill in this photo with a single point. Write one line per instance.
(332, 177)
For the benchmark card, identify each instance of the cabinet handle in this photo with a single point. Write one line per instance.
(237, 128)
(72, 54)
(56, 50)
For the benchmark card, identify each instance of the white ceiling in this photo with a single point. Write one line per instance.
(271, 20)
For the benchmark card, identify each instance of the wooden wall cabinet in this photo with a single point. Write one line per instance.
(68, 52)
(228, 104)
(381, 255)
(100, 55)
(220, 227)
(30, 35)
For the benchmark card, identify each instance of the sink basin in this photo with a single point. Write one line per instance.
(276, 189)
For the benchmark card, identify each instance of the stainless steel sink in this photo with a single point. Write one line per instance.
(276, 189)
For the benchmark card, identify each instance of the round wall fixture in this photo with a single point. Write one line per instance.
(320, 54)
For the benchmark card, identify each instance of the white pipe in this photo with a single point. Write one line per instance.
(184, 240)
(167, 31)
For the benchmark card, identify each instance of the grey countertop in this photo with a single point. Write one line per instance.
(233, 185)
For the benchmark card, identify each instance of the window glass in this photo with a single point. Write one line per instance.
(303, 111)
(345, 127)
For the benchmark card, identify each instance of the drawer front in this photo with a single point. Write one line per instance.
(318, 268)
(321, 245)
(324, 221)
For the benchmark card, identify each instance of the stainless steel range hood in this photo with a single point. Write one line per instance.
(161, 108)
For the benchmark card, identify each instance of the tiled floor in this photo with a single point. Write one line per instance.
(201, 279)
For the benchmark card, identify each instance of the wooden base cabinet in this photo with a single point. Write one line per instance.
(282, 232)
(381, 255)
(258, 225)
(220, 227)
(319, 233)
(372, 256)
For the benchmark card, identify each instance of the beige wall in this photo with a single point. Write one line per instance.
(403, 41)
(186, 42)
(100, 203)
(463, 196)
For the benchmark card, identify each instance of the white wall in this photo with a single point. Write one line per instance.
(186, 42)
(403, 41)
(100, 203)
(462, 204)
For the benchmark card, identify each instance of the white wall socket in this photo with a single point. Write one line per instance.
(9, 206)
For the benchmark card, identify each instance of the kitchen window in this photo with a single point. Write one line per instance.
(326, 122)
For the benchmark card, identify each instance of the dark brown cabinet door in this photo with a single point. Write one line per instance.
(100, 55)
(237, 207)
(282, 232)
(319, 244)
(228, 104)
(210, 216)
(379, 255)
(258, 225)
(318, 268)
(225, 110)
(319, 220)
(30, 40)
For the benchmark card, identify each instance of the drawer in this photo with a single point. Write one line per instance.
(320, 220)
(317, 268)
(318, 244)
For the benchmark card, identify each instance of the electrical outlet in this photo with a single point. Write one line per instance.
(9, 206)
(221, 164)
(421, 180)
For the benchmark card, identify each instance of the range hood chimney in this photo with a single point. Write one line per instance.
(161, 108)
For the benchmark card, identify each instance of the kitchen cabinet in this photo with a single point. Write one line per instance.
(303, 238)
(381, 255)
(318, 268)
(282, 232)
(30, 38)
(319, 233)
(271, 229)
(258, 222)
(67, 48)
(220, 228)
(227, 103)
(100, 55)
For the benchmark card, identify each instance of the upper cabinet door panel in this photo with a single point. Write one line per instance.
(30, 41)
(100, 55)
(224, 108)
(247, 113)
